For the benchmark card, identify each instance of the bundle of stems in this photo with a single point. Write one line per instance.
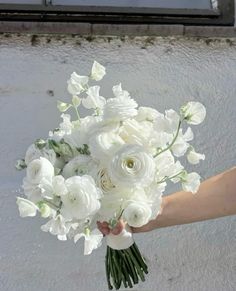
(124, 266)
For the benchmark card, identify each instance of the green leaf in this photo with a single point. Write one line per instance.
(62, 106)
(40, 143)
(20, 164)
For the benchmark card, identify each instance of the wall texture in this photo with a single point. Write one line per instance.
(159, 72)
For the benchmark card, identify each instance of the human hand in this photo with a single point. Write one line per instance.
(106, 229)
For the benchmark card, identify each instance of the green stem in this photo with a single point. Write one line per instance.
(173, 141)
(137, 266)
(108, 271)
(139, 258)
(77, 112)
(169, 178)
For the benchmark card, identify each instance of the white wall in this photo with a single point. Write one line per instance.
(163, 73)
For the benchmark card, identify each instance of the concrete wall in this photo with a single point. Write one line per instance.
(159, 72)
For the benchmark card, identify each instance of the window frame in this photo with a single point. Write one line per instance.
(223, 15)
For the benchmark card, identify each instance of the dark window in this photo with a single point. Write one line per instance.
(193, 12)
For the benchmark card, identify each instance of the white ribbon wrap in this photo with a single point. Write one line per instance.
(121, 241)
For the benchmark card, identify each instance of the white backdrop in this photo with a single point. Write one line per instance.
(159, 72)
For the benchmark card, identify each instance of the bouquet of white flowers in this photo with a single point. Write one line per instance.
(110, 166)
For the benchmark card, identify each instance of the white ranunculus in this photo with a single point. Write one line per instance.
(121, 107)
(98, 71)
(76, 83)
(26, 207)
(103, 181)
(92, 240)
(78, 166)
(193, 112)
(134, 132)
(132, 166)
(33, 152)
(194, 157)
(137, 213)
(93, 100)
(58, 185)
(82, 199)
(147, 114)
(103, 145)
(191, 182)
(39, 169)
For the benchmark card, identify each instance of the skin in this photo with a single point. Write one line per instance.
(215, 198)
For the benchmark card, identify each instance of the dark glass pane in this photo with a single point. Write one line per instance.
(191, 4)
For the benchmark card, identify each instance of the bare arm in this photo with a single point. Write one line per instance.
(215, 198)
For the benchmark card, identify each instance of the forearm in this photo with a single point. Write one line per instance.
(216, 197)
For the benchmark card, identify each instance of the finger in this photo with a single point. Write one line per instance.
(118, 228)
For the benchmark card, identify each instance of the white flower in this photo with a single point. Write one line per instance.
(191, 182)
(103, 145)
(79, 165)
(93, 100)
(193, 112)
(92, 240)
(57, 226)
(33, 152)
(82, 199)
(131, 166)
(147, 114)
(168, 123)
(26, 207)
(45, 210)
(103, 181)
(137, 213)
(31, 190)
(77, 83)
(180, 146)
(121, 107)
(58, 185)
(194, 157)
(119, 92)
(39, 169)
(98, 71)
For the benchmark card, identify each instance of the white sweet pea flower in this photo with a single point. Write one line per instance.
(31, 190)
(77, 83)
(79, 166)
(193, 112)
(191, 182)
(57, 226)
(45, 210)
(132, 166)
(103, 145)
(119, 92)
(168, 123)
(39, 169)
(147, 114)
(98, 71)
(33, 152)
(82, 199)
(92, 240)
(93, 100)
(121, 107)
(65, 128)
(194, 157)
(180, 146)
(137, 213)
(26, 207)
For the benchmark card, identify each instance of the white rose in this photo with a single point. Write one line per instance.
(137, 213)
(77, 83)
(103, 145)
(82, 199)
(26, 207)
(193, 112)
(33, 152)
(191, 182)
(79, 165)
(121, 107)
(131, 166)
(93, 100)
(39, 169)
(194, 157)
(98, 71)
